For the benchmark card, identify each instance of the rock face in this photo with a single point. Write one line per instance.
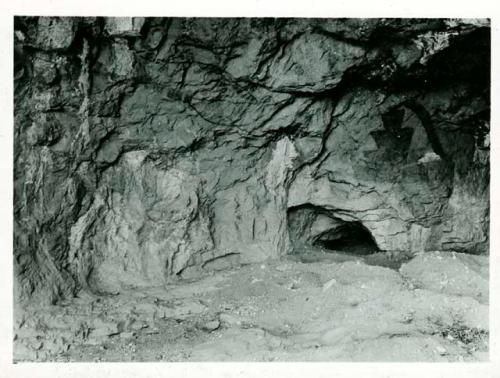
(150, 149)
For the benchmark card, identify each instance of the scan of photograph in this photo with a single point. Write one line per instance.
(250, 189)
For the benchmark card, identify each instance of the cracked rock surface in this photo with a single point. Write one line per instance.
(152, 151)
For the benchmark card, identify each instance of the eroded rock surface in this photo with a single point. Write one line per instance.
(153, 149)
(278, 311)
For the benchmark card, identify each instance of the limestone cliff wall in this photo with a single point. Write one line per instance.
(147, 149)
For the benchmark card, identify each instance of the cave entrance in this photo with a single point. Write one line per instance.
(317, 233)
(349, 237)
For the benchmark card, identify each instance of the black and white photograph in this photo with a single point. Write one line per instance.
(250, 189)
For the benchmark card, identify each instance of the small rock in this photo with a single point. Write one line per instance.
(136, 326)
(329, 284)
(230, 320)
(353, 302)
(408, 318)
(441, 350)
(210, 325)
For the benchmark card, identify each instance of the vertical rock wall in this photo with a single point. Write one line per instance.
(147, 149)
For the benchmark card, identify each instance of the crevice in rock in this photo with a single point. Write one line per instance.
(428, 125)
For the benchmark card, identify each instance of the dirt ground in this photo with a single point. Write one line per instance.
(319, 307)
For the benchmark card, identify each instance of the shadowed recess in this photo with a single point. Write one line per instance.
(350, 237)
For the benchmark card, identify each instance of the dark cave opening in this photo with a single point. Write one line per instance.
(350, 237)
(312, 228)
(319, 235)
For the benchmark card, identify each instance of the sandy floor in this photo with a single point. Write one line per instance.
(330, 308)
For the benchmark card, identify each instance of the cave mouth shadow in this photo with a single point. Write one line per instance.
(315, 229)
(349, 238)
(320, 235)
